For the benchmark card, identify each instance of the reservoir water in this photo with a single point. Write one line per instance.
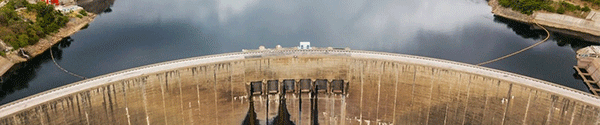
(132, 33)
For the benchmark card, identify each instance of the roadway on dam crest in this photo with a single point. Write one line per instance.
(95, 82)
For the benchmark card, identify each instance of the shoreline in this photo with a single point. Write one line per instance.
(73, 26)
(587, 29)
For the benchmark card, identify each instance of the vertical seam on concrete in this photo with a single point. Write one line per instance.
(115, 102)
(180, 95)
(87, 118)
(343, 100)
(231, 87)
(162, 90)
(573, 114)
(597, 117)
(89, 101)
(433, 71)
(413, 91)
(378, 94)
(343, 112)
(485, 104)
(14, 119)
(79, 107)
(458, 81)
(109, 107)
(498, 95)
(126, 105)
(85, 108)
(549, 117)
(395, 94)
(190, 103)
(267, 107)
(582, 111)
(506, 109)
(267, 112)
(71, 105)
(145, 100)
(128, 120)
(78, 101)
(197, 90)
(527, 109)
(566, 106)
(331, 116)
(40, 116)
(198, 95)
(191, 114)
(467, 103)
(447, 105)
(361, 92)
(216, 95)
(103, 105)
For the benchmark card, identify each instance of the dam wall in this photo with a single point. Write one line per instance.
(381, 88)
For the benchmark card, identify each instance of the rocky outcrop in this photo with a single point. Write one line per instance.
(95, 6)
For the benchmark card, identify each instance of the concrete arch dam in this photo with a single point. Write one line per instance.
(288, 86)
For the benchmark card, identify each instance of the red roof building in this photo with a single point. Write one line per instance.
(54, 2)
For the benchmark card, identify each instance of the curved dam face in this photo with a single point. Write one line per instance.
(307, 87)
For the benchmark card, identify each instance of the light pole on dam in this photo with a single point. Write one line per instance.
(307, 86)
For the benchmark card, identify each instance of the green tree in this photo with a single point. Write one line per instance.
(586, 9)
(83, 13)
(527, 6)
(23, 40)
(39, 31)
(12, 40)
(560, 10)
(33, 36)
(19, 33)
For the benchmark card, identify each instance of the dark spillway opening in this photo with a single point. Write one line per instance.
(283, 116)
(314, 112)
(251, 116)
(304, 87)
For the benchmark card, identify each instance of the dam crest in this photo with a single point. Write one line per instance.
(307, 86)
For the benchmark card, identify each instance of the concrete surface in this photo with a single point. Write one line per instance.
(384, 88)
(5, 65)
(593, 15)
(568, 22)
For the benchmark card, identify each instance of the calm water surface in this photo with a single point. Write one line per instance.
(134, 33)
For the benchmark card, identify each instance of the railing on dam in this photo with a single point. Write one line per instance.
(303, 86)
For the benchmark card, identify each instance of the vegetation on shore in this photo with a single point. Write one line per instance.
(529, 6)
(594, 2)
(23, 27)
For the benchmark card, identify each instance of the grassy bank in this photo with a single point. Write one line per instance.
(562, 7)
(22, 27)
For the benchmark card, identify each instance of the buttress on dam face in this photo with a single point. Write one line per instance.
(315, 86)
